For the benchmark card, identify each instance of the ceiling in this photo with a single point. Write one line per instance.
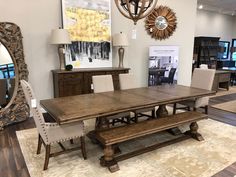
(227, 7)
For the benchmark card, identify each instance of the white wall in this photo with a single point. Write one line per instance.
(215, 25)
(37, 18)
(234, 28)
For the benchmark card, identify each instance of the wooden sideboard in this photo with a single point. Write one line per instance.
(222, 80)
(78, 81)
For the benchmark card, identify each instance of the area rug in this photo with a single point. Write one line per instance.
(222, 92)
(188, 158)
(229, 106)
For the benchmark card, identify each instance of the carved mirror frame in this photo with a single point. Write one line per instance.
(17, 109)
(161, 23)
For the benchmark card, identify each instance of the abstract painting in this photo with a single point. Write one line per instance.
(89, 26)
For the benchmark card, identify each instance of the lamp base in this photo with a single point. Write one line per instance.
(61, 53)
(121, 52)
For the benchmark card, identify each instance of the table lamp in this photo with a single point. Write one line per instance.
(60, 37)
(120, 40)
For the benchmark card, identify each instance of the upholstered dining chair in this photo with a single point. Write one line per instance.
(170, 78)
(128, 81)
(52, 133)
(104, 83)
(203, 79)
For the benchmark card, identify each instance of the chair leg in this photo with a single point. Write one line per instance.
(136, 117)
(194, 109)
(153, 113)
(47, 156)
(174, 108)
(83, 149)
(39, 144)
(206, 109)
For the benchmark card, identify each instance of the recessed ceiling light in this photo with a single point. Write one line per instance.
(200, 6)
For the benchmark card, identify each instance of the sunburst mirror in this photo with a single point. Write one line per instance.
(161, 23)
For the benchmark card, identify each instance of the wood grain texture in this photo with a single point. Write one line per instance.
(87, 106)
(124, 133)
(78, 81)
(8, 140)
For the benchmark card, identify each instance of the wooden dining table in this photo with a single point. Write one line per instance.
(88, 106)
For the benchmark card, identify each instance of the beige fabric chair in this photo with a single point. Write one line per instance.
(51, 133)
(203, 79)
(104, 83)
(3, 92)
(128, 81)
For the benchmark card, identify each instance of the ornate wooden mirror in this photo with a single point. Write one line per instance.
(161, 23)
(13, 107)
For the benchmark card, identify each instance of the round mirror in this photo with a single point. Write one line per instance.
(7, 76)
(161, 23)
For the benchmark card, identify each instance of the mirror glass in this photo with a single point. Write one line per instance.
(7, 76)
(161, 23)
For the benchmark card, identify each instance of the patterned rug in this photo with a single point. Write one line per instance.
(188, 158)
(222, 92)
(229, 106)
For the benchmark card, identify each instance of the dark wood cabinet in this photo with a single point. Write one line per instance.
(221, 80)
(206, 51)
(78, 81)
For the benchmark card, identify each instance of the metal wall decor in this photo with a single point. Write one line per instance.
(135, 9)
(161, 23)
(17, 109)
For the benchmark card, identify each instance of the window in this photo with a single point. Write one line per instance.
(233, 53)
(224, 50)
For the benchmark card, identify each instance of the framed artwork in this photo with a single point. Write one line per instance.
(89, 25)
(164, 56)
(224, 50)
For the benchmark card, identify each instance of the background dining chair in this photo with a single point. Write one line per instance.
(104, 83)
(170, 78)
(203, 79)
(128, 81)
(3, 92)
(155, 75)
(52, 133)
(204, 66)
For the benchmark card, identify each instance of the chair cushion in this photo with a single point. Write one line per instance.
(59, 133)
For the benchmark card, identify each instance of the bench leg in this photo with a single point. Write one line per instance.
(108, 159)
(193, 132)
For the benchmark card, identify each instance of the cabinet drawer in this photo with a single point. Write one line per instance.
(72, 76)
(224, 77)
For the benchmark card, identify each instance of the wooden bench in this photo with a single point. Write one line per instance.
(116, 135)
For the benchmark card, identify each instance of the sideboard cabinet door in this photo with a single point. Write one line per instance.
(79, 81)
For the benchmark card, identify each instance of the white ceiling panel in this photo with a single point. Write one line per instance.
(222, 6)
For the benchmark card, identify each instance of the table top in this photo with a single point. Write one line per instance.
(227, 106)
(87, 106)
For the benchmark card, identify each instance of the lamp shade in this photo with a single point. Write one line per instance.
(120, 39)
(60, 36)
